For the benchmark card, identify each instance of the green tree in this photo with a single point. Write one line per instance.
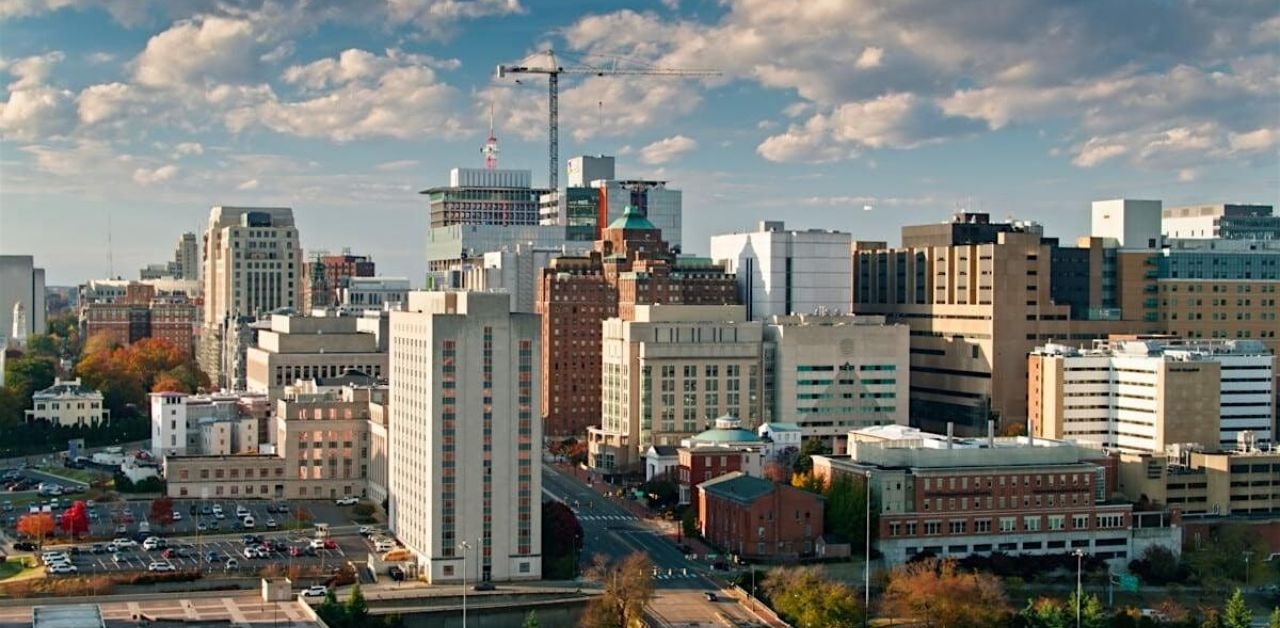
(846, 508)
(1092, 615)
(1045, 612)
(1237, 613)
(531, 620)
(357, 609)
(1275, 618)
(810, 447)
(807, 599)
(331, 611)
(1219, 558)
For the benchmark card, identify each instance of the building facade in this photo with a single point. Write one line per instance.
(668, 372)
(782, 272)
(463, 471)
(952, 497)
(373, 293)
(1204, 483)
(142, 313)
(325, 440)
(21, 282)
(325, 276)
(220, 424)
(306, 347)
(829, 374)
(1146, 394)
(252, 266)
(67, 402)
(756, 519)
(1226, 221)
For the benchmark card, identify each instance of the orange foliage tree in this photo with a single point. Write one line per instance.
(36, 525)
(126, 374)
(936, 593)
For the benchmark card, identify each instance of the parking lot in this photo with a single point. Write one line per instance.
(211, 555)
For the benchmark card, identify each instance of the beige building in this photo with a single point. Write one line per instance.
(668, 372)
(315, 347)
(67, 402)
(830, 374)
(248, 476)
(217, 424)
(252, 265)
(1204, 483)
(465, 486)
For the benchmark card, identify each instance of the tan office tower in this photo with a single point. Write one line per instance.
(464, 488)
(252, 266)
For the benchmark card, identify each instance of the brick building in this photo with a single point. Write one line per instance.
(143, 313)
(758, 519)
(630, 265)
(327, 275)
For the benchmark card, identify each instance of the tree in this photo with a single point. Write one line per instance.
(846, 508)
(161, 511)
(1218, 558)
(1158, 565)
(24, 376)
(810, 447)
(936, 592)
(628, 588)
(1237, 613)
(75, 521)
(1045, 612)
(1092, 615)
(167, 383)
(807, 481)
(561, 541)
(36, 525)
(1275, 618)
(776, 471)
(357, 610)
(331, 611)
(806, 599)
(530, 620)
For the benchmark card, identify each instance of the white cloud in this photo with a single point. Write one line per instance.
(870, 58)
(34, 109)
(1187, 175)
(1255, 140)
(667, 149)
(251, 184)
(146, 176)
(184, 149)
(106, 101)
(398, 165)
(195, 52)
(100, 58)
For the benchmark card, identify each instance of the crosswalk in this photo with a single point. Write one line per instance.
(592, 517)
(676, 574)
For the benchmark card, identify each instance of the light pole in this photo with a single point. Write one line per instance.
(1247, 554)
(464, 546)
(1079, 564)
(866, 561)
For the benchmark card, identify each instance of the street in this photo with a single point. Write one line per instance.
(610, 529)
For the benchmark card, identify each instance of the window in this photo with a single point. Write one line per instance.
(1008, 524)
(932, 527)
(981, 525)
(1079, 522)
(1031, 524)
(957, 526)
(1057, 522)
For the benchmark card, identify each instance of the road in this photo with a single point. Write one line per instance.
(612, 530)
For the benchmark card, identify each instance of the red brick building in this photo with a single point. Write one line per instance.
(326, 275)
(700, 464)
(631, 265)
(141, 314)
(758, 519)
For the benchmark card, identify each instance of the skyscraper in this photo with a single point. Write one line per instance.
(21, 282)
(782, 272)
(252, 266)
(465, 489)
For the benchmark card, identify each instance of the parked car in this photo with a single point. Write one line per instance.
(349, 500)
(25, 546)
(161, 566)
(396, 573)
(484, 586)
(98, 548)
(364, 531)
(251, 539)
(271, 524)
(177, 516)
(117, 558)
(232, 563)
(200, 527)
(217, 509)
(330, 544)
(212, 557)
(125, 542)
(63, 568)
(315, 591)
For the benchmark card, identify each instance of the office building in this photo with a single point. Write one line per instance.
(756, 519)
(116, 290)
(373, 293)
(305, 347)
(185, 264)
(514, 271)
(453, 247)
(978, 297)
(585, 169)
(1131, 224)
(782, 272)
(463, 471)
(252, 267)
(481, 211)
(629, 266)
(1213, 289)
(325, 276)
(952, 497)
(142, 313)
(1146, 394)
(1226, 221)
(21, 282)
(1244, 482)
(595, 198)
(661, 205)
(68, 402)
(668, 372)
(828, 374)
(220, 424)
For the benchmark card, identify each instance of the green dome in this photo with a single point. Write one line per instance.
(631, 219)
(727, 430)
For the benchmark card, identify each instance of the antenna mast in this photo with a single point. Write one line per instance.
(490, 149)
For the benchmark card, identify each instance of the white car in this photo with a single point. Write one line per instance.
(217, 508)
(318, 590)
(271, 523)
(177, 516)
(242, 512)
(317, 544)
(160, 565)
(253, 551)
(52, 555)
(350, 500)
(62, 568)
(125, 542)
(384, 545)
(218, 515)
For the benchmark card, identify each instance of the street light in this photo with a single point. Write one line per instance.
(464, 546)
(1247, 554)
(1079, 564)
(866, 560)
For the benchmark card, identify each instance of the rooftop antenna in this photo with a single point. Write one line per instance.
(490, 149)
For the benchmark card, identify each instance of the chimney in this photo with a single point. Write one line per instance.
(991, 434)
(950, 433)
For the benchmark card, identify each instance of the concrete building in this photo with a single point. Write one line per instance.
(1146, 394)
(1226, 221)
(830, 374)
(325, 276)
(756, 519)
(21, 282)
(373, 293)
(219, 424)
(1131, 224)
(325, 440)
(185, 264)
(630, 266)
(514, 271)
(1212, 289)
(305, 347)
(67, 402)
(499, 208)
(782, 272)
(453, 247)
(953, 497)
(463, 470)
(252, 267)
(668, 372)
(661, 205)
(221, 476)
(584, 169)
(1205, 483)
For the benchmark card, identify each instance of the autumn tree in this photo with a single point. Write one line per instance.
(161, 511)
(75, 521)
(628, 588)
(935, 592)
(809, 482)
(167, 383)
(36, 525)
(1237, 613)
(806, 599)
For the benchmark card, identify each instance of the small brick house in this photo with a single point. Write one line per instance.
(758, 519)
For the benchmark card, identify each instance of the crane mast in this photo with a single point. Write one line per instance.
(553, 72)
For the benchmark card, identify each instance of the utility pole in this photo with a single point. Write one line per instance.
(1079, 590)
(464, 546)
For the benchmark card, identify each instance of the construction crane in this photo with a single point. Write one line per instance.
(553, 70)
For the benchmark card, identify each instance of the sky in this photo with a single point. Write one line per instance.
(123, 121)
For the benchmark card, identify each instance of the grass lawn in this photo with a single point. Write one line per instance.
(79, 475)
(16, 570)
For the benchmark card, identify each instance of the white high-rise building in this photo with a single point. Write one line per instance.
(1228, 221)
(1132, 224)
(584, 169)
(463, 472)
(782, 272)
(21, 282)
(252, 266)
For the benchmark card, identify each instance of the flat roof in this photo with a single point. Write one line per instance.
(67, 616)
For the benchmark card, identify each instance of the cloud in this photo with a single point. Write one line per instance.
(1255, 140)
(196, 52)
(34, 109)
(184, 149)
(398, 165)
(666, 150)
(145, 176)
(251, 184)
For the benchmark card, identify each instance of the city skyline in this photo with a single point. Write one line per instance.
(151, 113)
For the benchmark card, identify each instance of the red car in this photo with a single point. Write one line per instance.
(330, 544)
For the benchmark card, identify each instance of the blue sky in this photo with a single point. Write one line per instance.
(144, 113)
